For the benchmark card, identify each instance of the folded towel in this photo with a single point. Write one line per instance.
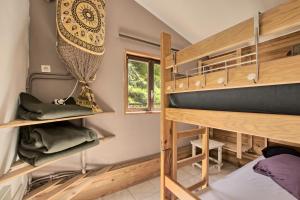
(32, 108)
(36, 158)
(41, 143)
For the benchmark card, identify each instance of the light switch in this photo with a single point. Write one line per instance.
(46, 68)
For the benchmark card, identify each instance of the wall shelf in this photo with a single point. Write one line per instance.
(20, 168)
(22, 122)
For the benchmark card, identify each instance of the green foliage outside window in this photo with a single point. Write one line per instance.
(138, 84)
(156, 86)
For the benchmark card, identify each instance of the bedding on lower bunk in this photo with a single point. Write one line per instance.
(42, 143)
(31, 108)
(245, 184)
(276, 99)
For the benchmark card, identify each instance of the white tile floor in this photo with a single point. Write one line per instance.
(149, 190)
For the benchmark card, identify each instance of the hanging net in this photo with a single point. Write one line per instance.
(80, 42)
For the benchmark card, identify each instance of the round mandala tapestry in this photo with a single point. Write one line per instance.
(81, 24)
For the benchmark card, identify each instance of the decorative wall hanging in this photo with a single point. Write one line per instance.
(81, 32)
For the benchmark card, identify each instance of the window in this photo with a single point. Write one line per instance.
(142, 83)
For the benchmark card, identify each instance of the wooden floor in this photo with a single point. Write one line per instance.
(149, 190)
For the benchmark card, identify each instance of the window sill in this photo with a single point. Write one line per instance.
(141, 112)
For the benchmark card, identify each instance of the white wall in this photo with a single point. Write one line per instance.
(14, 23)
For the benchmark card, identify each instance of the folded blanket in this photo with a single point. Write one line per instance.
(43, 142)
(32, 108)
(36, 158)
(54, 137)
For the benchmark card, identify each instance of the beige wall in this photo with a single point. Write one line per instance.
(136, 135)
(14, 23)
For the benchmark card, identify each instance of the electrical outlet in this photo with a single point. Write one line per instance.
(46, 68)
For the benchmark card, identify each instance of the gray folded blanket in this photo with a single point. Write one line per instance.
(42, 143)
(32, 108)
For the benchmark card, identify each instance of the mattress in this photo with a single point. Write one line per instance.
(245, 184)
(276, 99)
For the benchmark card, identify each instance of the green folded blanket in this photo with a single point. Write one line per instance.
(36, 158)
(41, 143)
(32, 108)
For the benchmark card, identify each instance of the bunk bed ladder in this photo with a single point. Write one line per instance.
(170, 188)
(171, 183)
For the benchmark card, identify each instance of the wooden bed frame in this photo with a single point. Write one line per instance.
(250, 34)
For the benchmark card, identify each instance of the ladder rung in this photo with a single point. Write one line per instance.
(190, 160)
(178, 190)
(190, 133)
(197, 185)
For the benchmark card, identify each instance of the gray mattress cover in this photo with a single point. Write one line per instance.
(245, 184)
(279, 99)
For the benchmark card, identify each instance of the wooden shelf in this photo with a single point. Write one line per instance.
(20, 168)
(22, 122)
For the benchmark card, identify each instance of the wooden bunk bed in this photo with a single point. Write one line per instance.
(230, 60)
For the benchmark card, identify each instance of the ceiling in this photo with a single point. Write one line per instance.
(198, 19)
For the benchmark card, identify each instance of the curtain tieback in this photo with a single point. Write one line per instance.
(86, 98)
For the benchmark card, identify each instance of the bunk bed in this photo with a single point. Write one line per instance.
(235, 87)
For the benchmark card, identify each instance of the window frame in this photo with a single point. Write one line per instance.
(152, 60)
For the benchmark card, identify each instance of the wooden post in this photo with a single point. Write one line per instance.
(174, 151)
(174, 155)
(266, 141)
(250, 141)
(165, 125)
(211, 133)
(239, 145)
(205, 161)
(199, 65)
(239, 54)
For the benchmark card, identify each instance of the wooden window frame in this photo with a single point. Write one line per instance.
(152, 60)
